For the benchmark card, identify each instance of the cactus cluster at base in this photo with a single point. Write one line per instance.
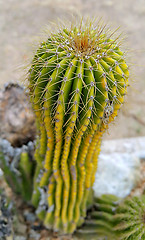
(77, 84)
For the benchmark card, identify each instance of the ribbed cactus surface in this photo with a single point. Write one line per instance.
(117, 219)
(77, 84)
(100, 218)
(130, 219)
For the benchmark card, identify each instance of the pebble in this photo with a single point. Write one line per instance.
(30, 217)
(20, 238)
(33, 235)
(21, 228)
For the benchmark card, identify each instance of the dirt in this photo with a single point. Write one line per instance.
(21, 21)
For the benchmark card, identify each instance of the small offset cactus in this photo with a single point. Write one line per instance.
(18, 167)
(77, 84)
(129, 219)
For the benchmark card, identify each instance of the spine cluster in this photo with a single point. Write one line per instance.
(77, 84)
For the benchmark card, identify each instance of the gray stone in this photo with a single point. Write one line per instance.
(21, 228)
(20, 238)
(119, 166)
(30, 217)
(34, 235)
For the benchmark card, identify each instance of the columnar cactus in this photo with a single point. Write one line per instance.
(77, 84)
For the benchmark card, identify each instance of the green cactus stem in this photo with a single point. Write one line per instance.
(18, 167)
(116, 218)
(100, 218)
(77, 84)
(130, 219)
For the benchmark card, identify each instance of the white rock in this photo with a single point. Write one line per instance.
(119, 166)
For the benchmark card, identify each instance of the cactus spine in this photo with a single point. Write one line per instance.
(77, 84)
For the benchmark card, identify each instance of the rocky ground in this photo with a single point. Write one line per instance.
(21, 21)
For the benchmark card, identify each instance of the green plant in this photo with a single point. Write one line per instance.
(77, 84)
(117, 219)
(18, 167)
(100, 218)
(129, 219)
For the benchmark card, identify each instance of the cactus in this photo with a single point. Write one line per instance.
(77, 84)
(18, 167)
(100, 218)
(130, 219)
(116, 218)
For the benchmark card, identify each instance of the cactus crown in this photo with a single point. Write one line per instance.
(82, 72)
